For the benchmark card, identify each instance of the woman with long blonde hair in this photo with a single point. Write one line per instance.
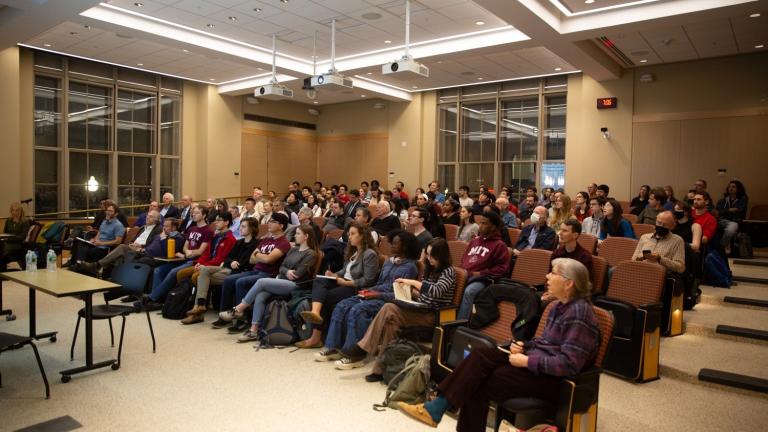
(12, 248)
(561, 211)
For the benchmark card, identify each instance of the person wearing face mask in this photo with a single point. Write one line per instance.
(686, 228)
(662, 246)
(537, 235)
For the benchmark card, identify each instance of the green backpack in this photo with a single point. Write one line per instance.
(411, 385)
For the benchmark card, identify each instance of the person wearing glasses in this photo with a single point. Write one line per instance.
(534, 369)
(416, 220)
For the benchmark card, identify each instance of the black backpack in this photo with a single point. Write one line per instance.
(301, 300)
(395, 355)
(179, 300)
(277, 325)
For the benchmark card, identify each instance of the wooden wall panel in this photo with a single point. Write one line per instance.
(351, 159)
(291, 159)
(252, 170)
(655, 154)
(704, 146)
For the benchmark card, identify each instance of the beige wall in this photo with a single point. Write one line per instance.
(10, 125)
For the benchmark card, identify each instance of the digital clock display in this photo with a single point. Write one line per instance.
(607, 103)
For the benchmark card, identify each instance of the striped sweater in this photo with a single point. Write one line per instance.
(438, 291)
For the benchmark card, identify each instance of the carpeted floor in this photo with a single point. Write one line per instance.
(201, 380)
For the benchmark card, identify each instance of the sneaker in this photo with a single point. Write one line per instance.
(230, 315)
(193, 319)
(374, 377)
(237, 327)
(327, 354)
(347, 363)
(248, 336)
(219, 323)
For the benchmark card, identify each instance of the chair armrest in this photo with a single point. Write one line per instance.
(651, 307)
(445, 313)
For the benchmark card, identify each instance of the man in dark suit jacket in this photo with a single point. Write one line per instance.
(353, 204)
(185, 211)
(169, 210)
(385, 221)
(537, 235)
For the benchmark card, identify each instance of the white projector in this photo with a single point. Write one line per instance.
(405, 64)
(331, 80)
(273, 91)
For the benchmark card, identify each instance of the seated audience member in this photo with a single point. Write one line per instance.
(328, 211)
(686, 228)
(101, 215)
(581, 206)
(297, 267)
(433, 223)
(732, 209)
(451, 212)
(593, 224)
(614, 224)
(502, 231)
(342, 196)
(141, 220)
(416, 220)
(237, 261)
(532, 369)
(169, 210)
(279, 207)
(418, 192)
(464, 199)
(249, 209)
(271, 195)
(315, 205)
(536, 235)
(508, 219)
(385, 220)
(351, 316)
(185, 212)
(129, 252)
(434, 290)
(526, 207)
(468, 229)
(210, 204)
(266, 260)
(662, 247)
(640, 201)
(569, 246)
(423, 200)
(657, 198)
(603, 190)
(306, 191)
(560, 211)
(305, 218)
(214, 255)
(434, 187)
(592, 190)
(403, 194)
(671, 200)
(546, 198)
(258, 197)
(703, 217)
(483, 199)
(199, 238)
(353, 203)
(110, 234)
(360, 270)
(267, 213)
(185, 224)
(292, 202)
(12, 247)
(337, 220)
(365, 191)
(375, 197)
(485, 259)
(234, 211)
(363, 216)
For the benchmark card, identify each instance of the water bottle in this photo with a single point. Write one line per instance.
(28, 261)
(50, 261)
(32, 266)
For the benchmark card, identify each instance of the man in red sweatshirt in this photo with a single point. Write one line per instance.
(486, 258)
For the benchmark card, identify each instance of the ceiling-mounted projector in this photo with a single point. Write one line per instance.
(406, 64)
(273, 91)
(331, 80)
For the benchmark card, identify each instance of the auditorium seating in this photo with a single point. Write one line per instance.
(617, 249)
(532, 267)
(641, 229)
(588, 242)
(451, 232)
(457, 248)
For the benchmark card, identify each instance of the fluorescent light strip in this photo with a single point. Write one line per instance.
(112, 63)
(569, 13)
(383, 89)
(501, 80)
(240, 85)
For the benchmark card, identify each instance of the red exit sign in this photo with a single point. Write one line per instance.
(607, 103)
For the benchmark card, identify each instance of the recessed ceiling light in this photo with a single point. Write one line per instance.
(415, 87)
(315, 102)
(558, 69)
(46, 45)
(754, 15)
(257, 9)
(480, 78)
(210, 25)
(87, 27)
(185, 50)
(258, 68)
(284, 1)
(232, 18)
(758, 46)
(589, 1)
(370, 73)
(387, 41)
(479, 23)
(643, 61)
(362, 96)
(371, 16)
(137, 4)
(211, 79)
(139, 64)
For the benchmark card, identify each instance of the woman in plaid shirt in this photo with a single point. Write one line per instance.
(533, 369)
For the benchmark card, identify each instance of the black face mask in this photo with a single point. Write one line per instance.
(661, 231)
(679, 214)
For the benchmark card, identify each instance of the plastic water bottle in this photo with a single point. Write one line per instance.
(50, 261)
(28, 261)
(32, 266)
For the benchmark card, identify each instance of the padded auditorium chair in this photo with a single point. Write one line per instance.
(514, 235)
(576, 409)
(598, 275)
(263, 230)
(532, 266)
(588, 242)
(133, 278)
(448, 313)
(672, 312)
(641, 229)
(451, 232)
(319, 221)
(617, 249)
(634, 298)
(631, 218)
(334, 234)
(385, 248)
(131, 234)
(457, 249)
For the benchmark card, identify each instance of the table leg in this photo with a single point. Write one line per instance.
(89, 364)
(10, 316)
(33, 320)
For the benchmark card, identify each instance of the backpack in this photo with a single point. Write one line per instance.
(301, 300)
(410, 385)
(277, 325)
(395, 355)
(716, 271)
(179, 300)
(50, 232)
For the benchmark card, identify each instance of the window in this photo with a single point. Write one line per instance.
(114, 133)
(510, 133)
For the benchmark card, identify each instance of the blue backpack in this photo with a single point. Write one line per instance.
(716, 270)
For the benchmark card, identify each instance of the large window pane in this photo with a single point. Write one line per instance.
(520, 129)
(521, 175)
(46, 181)
(448, 134)
(446, 175)
(90, 116)
(474, 175)
(135, 122)
(554, 132)
(478, 138)
(553, 175)
(169, 176)
(83, 166)
(170, 125)
(47, 111)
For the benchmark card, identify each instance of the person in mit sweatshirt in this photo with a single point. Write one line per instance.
(223, 242)
(486, 257)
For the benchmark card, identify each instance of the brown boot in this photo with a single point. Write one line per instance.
(193, 319)
(198, 309)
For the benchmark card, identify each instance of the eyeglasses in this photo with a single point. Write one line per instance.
(559, 274)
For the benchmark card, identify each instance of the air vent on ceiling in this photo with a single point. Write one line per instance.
(612, 49)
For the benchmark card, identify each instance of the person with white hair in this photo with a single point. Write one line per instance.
(169, 210)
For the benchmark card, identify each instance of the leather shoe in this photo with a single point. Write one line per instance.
(417, 412)
(198, 309)
(193, 319)
(303, 345)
